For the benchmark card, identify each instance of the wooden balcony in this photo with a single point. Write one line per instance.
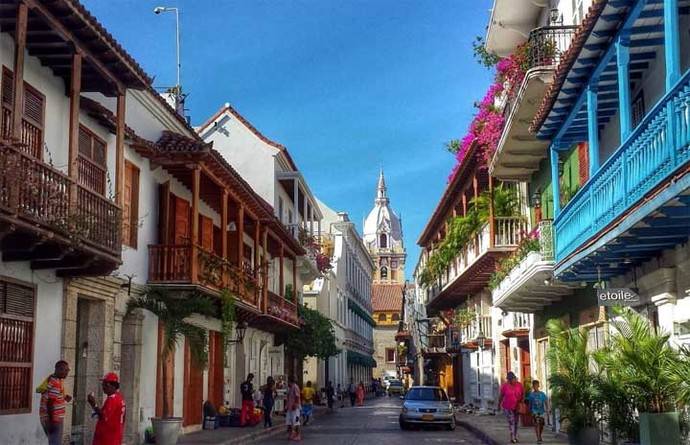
(471, 269)
(280, 315)
(187, 265)
(50, 220)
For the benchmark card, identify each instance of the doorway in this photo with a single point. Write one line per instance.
(525, 364)
(193, 389)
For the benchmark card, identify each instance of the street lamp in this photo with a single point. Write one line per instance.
(241, 329)
(159, 10)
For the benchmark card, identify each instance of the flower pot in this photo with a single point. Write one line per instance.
(166, 430)
(584, 436)
(659, 428)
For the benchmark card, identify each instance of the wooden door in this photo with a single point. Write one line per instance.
(525, 364)
(169, 364)
(206, 233)
(215, 369)
(181, 223)
(505, 352)
(193, 390)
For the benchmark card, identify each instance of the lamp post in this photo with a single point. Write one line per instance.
(178, 89)
(241, 329)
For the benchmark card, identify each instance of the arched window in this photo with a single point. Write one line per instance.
(384, 273)
(382, 317)
(383, 241)
(396, 317)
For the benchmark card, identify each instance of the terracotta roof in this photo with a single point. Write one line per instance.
(171, 141)
(229, 109)
(386, 297)
(566, 63)
(103, 116)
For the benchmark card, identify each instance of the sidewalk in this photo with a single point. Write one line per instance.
(493, 430)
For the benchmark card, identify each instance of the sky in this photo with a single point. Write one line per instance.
(348, 86)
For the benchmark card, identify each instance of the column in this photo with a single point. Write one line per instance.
(18, 87)
(671, 42)
(73, 131)
(623, 58)
(196, 182)
(281, 280)
(265, 269)
(492, 222)
(120, 149)
(295, 193)
(555, 183)
(294, 279)
(224, 224)
(311, 219)
(592, 128)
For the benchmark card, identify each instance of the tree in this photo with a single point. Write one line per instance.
(315, 339)
(172, 310)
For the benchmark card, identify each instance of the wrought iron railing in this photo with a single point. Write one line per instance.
(648, 157)
(547, 44)
(282, 309)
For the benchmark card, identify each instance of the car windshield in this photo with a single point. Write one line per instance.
(427, 394)
(396, 383)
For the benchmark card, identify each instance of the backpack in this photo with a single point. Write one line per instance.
(43, 387)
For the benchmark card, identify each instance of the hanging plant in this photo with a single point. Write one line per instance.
(463, 317)
(228, 314)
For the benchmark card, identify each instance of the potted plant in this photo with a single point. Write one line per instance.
(574, 385)
(647, 365)
(172, 310)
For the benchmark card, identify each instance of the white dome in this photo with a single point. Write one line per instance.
(382, 220)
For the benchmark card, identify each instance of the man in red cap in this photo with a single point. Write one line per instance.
(111, 417)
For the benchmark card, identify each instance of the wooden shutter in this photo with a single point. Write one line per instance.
(216, 379)
(91, 161)
(32, 118)
(130, 210)
(6, 91)
(17, 303)
(182, 226)
(583, 158)
(193, 389)
(206, 232)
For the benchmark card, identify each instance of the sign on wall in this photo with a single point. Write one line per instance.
(617, 297)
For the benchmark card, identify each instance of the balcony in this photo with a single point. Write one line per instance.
(515, 324)
(637, 203)
(356, 341)
(472, 267)
(307, 264)
(282, 310)
(530, 285)
(435, 345)
(189, 266)
(52, 221)
(519, 152)
(471, 333)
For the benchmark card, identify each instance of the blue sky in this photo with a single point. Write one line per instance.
(348, 86)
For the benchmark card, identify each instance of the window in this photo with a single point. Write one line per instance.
(32, 119)
(638, 109)
(16, 338)
(396, 317)
(390, 355)
(382, 317)
(578, 11)
(130, 209)
(383, 241)
(91, 161)
(393, 274)
(384, 273)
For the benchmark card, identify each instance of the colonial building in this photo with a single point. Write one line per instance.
(387, 303)
(383, 237)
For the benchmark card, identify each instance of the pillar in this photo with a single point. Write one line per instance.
(18, 87)
(592, 128)
(120, 150)
(671, 42)
(196, 182)
(73, 131)
(224, 224)
(623, 58)
(555, 182)
(281, 275)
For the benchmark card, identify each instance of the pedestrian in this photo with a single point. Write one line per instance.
(341, 398)
(307, 402)
(538, 406)
(111, 416)
(352, 392)
(510, 396)
(330, 396)
(280, 398)
(269, 401)
(53, 401)
(293, 408)
(360, 394)
(247, 391)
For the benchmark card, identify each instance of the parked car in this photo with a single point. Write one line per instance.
(395, 387)
(427, 405)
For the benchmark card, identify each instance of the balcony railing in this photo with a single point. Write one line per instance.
(507, 233)
(647, 158)
(173, 264)
(471, 332)
(40, 194)
(436, 343)
(283, 309)
(31, 136)
(548, 43)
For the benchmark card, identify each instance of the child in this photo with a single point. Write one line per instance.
(538, 406)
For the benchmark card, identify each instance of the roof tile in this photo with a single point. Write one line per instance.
(386, 297)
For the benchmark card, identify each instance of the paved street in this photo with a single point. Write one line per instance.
(375, 423)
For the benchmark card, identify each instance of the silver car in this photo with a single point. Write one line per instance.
(427, 405)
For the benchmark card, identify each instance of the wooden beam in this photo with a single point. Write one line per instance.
(294, 278)
(164, 217)
(281, 281)
(257, 233)
(73, 136)
(41, 10)
(240, 234)
(492, 222)
(19, 50)
(196, 182)
(120, 150)
(224, 224)
(265, 270)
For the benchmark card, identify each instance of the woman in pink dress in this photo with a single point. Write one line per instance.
(360, 394)
(510, 397)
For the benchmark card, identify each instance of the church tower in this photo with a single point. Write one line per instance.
(383, 237)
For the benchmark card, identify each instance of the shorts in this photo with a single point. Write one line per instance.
(292, 417)
(307, 410)
(538, 418)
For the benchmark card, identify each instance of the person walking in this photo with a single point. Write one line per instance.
(269, 401)
(307, 403)
(330, 396)
(510, 396)
(352, 392)
(111, 416)
(53, 400)
(360, 394)
(293, 407)
(341, 397)
(247, 391)
(538, 407)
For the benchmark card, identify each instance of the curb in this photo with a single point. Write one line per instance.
(481, 435)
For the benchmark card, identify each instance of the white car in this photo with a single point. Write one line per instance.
(427, 405)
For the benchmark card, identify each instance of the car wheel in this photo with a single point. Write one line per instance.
(451, 425)
(403, 425)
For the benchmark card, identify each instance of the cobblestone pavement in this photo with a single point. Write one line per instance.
(374, 423)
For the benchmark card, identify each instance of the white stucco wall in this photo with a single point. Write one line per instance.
(25, 428)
